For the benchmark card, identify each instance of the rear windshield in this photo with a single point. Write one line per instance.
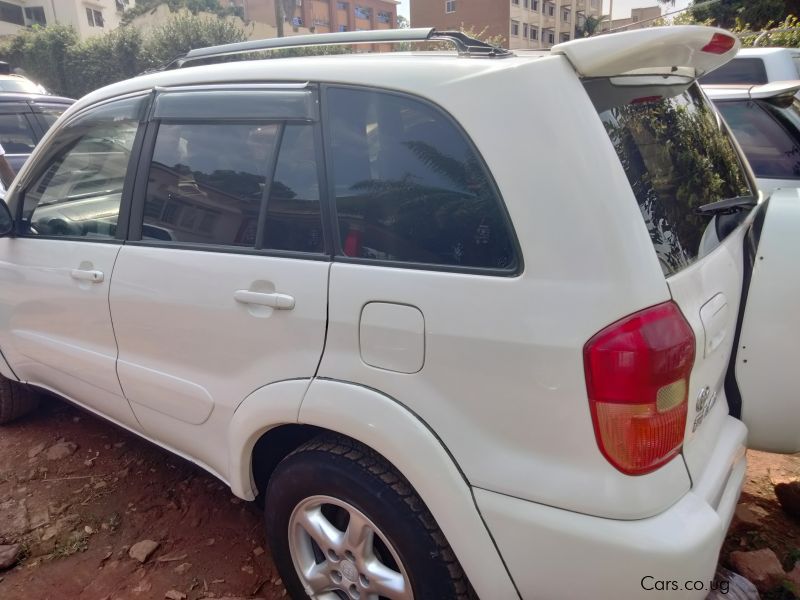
(677, 156)
(739, 70)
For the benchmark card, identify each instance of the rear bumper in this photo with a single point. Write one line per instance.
(553, 553)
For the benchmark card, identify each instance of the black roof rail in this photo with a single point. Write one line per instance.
(466, 45)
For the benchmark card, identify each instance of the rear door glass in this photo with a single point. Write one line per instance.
(16, 134)
(771, 150)
(739, 70)
(677, 156)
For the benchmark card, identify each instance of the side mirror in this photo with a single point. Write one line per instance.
(6, 220)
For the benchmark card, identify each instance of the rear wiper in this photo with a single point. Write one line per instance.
(727, 206)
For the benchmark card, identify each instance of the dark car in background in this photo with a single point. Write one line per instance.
(24, 119)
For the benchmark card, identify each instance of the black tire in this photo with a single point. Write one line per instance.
(341, 468)
(16, 400)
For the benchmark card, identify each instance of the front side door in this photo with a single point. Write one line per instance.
(223, 286)
(767, 351)
(56, 327)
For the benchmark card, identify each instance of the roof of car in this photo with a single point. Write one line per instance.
(752, 92)
(25, 97)
(756, 52)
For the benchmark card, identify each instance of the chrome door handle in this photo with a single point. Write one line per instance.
(278, 301)
(83, 275)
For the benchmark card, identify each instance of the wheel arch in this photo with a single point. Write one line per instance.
(271, 424)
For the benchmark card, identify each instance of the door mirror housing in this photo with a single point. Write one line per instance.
(6, 220)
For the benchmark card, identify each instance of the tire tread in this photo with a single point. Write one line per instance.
(16, 400)
(373, 463)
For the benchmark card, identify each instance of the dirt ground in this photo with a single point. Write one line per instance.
(78, 515)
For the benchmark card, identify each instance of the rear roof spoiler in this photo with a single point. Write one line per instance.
(776, 89)
(688, 50)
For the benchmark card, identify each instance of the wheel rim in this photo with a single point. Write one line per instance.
(340, 554)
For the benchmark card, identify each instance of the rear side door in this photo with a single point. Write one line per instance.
(56, 327)
(222, 287)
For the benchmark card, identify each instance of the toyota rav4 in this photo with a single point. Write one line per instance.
(462, 320)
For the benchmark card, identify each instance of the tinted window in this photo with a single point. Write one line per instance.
(677, 157)
(409, 187)
(207, 181)
(293, 211)
(16, 134)
(739, 70)
(772, 152)
(78, 191)
(49, 113)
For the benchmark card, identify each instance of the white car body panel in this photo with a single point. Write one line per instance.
(542, 544)
(409, 444)
(57, 330)
(184, 389)
(770, 330)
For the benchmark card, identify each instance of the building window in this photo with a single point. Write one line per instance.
(34, 15)
(11, 13)
(551, 10)
(122, 4)
(535, 5)
(384, 17)
(534, 33)
(515, 2)
(450, 6)
(565, 14)
(525, 3)
(564, 37)
(514, 27)
(525, 30)
(342, 6)
(95, 17)
(551, 37)
(363, 13)
(342, 27)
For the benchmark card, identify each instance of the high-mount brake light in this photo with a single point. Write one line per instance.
(637, 378)
(719, 44)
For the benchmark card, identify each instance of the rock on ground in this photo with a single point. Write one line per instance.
(175, 595)
(141, 551)
(750, 514)
(762, 567)
(9, 555)
(789, 496)
(61, 450)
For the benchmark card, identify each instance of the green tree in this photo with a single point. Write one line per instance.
(591, 25)
(753, 14)
(193, 6)
(43, 53)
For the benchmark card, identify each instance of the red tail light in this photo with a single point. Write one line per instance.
(719, 44)
(637, 376)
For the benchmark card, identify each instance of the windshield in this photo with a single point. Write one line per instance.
(677, 156)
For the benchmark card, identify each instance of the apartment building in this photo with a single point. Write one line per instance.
(324, 16)
(640, 18)
(87, 17)
(521, 23)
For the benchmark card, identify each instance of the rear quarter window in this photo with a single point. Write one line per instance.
(739, 70)
(677, 156)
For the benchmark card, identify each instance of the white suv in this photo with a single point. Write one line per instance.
(467, 322)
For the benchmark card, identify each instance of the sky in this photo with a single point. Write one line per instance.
(622, 8)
